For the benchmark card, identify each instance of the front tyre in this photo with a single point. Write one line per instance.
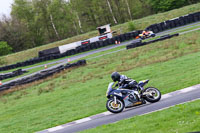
(115, 108)
(152, 94)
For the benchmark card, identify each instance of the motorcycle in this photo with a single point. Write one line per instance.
(120, 98)
(147, 35)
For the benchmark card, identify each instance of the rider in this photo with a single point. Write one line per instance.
(146, 32)
(124, 81)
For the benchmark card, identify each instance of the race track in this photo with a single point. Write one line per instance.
(168, 100)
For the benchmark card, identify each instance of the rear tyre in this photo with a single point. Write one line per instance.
(115, 108)
(152, 94)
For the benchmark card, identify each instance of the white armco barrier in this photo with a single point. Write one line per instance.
(103, 37)
(73, 45)
(70, 46)
(94, 39)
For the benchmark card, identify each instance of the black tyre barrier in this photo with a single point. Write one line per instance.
(112, 41)
(169, 24)
(127, 36)
(134, 34)
(165, 36)
(49, 52)
(41, 75)
(138, 43)
(12, 74)
(122, 38)
(108, 42)
(100, 44)
(177, 34)
(116, 38)
(134, 44)
(78, 49)
(105, 42)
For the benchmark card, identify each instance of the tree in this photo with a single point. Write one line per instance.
(166, 5)
(14, 33)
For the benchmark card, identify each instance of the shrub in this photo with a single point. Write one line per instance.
(2, 61)
(5, 48)
(131, 26)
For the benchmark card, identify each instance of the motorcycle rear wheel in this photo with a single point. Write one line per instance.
(153, 94)
(115, 108)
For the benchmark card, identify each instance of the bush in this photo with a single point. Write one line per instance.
(2, 61)
(5, 48)
(131, 26)
(166, 5)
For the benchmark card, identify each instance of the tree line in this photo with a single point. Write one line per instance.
(37, 22)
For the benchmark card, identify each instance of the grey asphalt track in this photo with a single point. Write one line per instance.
(64, 61)
(167, 100)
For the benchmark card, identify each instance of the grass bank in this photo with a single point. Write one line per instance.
(80, 92)
(139, 24)
(179, 119)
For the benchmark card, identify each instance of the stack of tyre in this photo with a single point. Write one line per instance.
(41, 75)
(55, 53)
(89, 46)
(173, 23)
(138, 43)
(109, 41)
(12, 74)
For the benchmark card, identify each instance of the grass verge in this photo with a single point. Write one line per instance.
(78, 93)
(179, 119)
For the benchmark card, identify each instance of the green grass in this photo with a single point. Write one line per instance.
(179, 119)
(73, 94)
(139, 23)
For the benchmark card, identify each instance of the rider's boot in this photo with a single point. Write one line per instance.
(143, 101)
(140, 98)
(138, 95)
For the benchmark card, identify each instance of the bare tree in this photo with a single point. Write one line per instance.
(114, 19)
(54, 27)
(79, 22)
(129, 11)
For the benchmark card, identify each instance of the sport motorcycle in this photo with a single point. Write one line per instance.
(120, 98)
(147, 35)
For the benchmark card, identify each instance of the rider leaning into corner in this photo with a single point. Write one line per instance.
(125, 82)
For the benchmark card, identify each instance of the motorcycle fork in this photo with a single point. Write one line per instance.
(140, 90)
(115, 100)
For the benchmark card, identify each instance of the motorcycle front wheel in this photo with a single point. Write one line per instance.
(152, 94)
(115, 108)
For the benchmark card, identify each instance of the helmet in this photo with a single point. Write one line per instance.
(115, 76)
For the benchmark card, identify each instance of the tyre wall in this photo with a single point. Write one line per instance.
(176, 22)
(95, 42)
(41, 75)
(139, 43)
(12, 74)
